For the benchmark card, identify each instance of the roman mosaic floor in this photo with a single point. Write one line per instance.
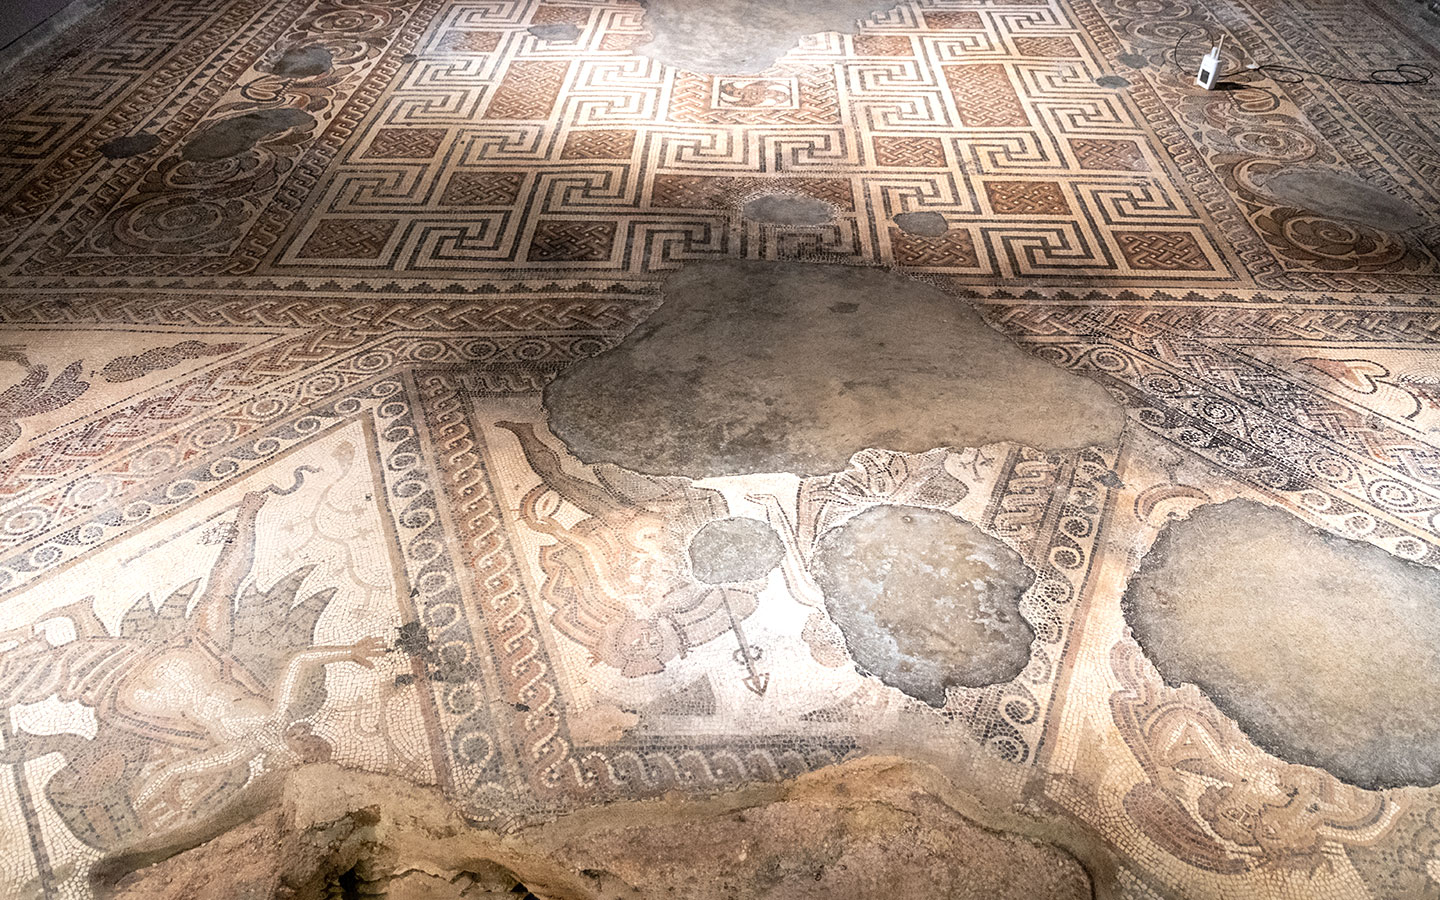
(556, 403)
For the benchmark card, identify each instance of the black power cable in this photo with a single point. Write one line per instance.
(1409, 73)
(1405, 73)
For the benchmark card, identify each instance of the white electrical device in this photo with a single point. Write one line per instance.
(1210, 67)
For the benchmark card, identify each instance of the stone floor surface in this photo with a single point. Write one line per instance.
(598, 449)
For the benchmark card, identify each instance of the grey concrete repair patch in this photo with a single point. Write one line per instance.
(727, 551)
(557, 31)
(1325, 651)
(793, 367)
(788, 209)
(925, 600)
(303, 62)
(743, 37)
(1113, 81)
(129, 145)
(237, 134)
(924, 224)
(1340, 196)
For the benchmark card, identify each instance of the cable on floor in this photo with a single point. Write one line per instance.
(1402, 74)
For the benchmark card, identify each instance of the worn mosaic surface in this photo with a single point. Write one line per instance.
(282, 282)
